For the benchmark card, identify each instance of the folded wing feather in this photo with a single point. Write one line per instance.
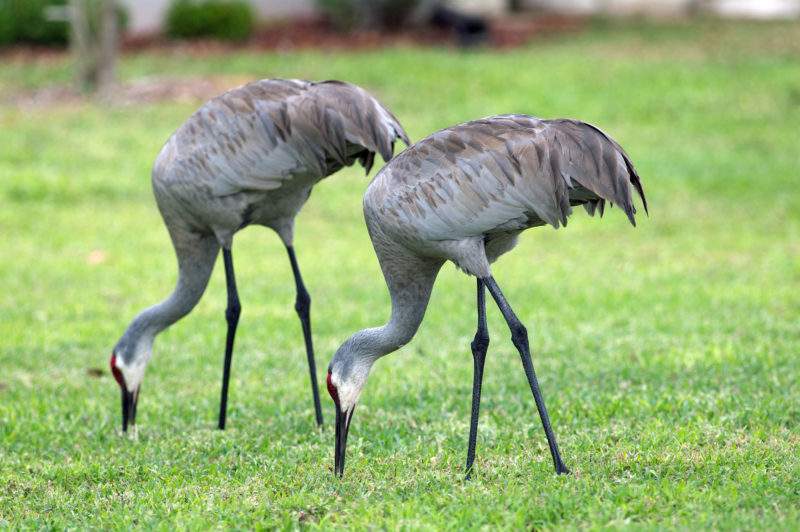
(259, 135)
(503, 173)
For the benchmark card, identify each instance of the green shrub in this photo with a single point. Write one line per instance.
(25, 21)
(380, 14)
(231, 20)
(6, 24)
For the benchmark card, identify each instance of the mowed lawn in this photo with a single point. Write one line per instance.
(669, 354)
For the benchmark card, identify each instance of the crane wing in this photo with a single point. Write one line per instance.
(503, 173)
(258, 136)
(350, 115)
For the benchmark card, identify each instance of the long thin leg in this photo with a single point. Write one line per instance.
(232, 313)
(303, 307)
(480, 344)
(519, 335)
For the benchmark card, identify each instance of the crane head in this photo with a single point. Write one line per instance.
(129, 388)
(347, 375)
(343, 417)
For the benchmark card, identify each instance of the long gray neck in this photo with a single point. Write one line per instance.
(155, 319)
(192, 281)
(410, 285)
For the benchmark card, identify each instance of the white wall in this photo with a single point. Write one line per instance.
(759, 9)
(147, 16)
(617, 7)
(481, 7)
(733, 8)
(276, 9)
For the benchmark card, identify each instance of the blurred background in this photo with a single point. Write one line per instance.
(95, 29)
(667, 353)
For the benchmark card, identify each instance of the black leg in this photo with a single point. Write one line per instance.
(519, 335)
(232, 317)
(303, 307)
(480, 344)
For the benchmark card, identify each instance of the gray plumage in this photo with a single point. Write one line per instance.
(474, 187)
(249, 156)
(464, 194)
(253, 154)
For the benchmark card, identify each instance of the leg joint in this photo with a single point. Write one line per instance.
(233, 311)
(303, 301)
(519, 334)
(480, 342)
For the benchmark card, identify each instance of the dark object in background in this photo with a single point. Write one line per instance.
(387, 15)
(470, 30)
(219, 19)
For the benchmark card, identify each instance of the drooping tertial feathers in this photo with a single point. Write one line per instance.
(502, 174)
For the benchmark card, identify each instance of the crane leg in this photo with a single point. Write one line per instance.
(303, 307)
(519, 335)
(479, 345)
(232, 313)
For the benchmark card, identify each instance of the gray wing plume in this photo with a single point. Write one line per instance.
(502, 173)
(603, 171)
(255, 137)
(356, 118)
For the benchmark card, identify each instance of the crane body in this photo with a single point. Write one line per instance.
(464, 194)
(248, 157)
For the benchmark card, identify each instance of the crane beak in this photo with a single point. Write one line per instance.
(129, 401)
(129, 397)
(342, 428)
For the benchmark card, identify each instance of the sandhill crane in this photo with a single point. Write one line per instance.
(464, 194)
(249, 156)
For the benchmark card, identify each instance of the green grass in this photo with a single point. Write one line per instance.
(668, 354)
